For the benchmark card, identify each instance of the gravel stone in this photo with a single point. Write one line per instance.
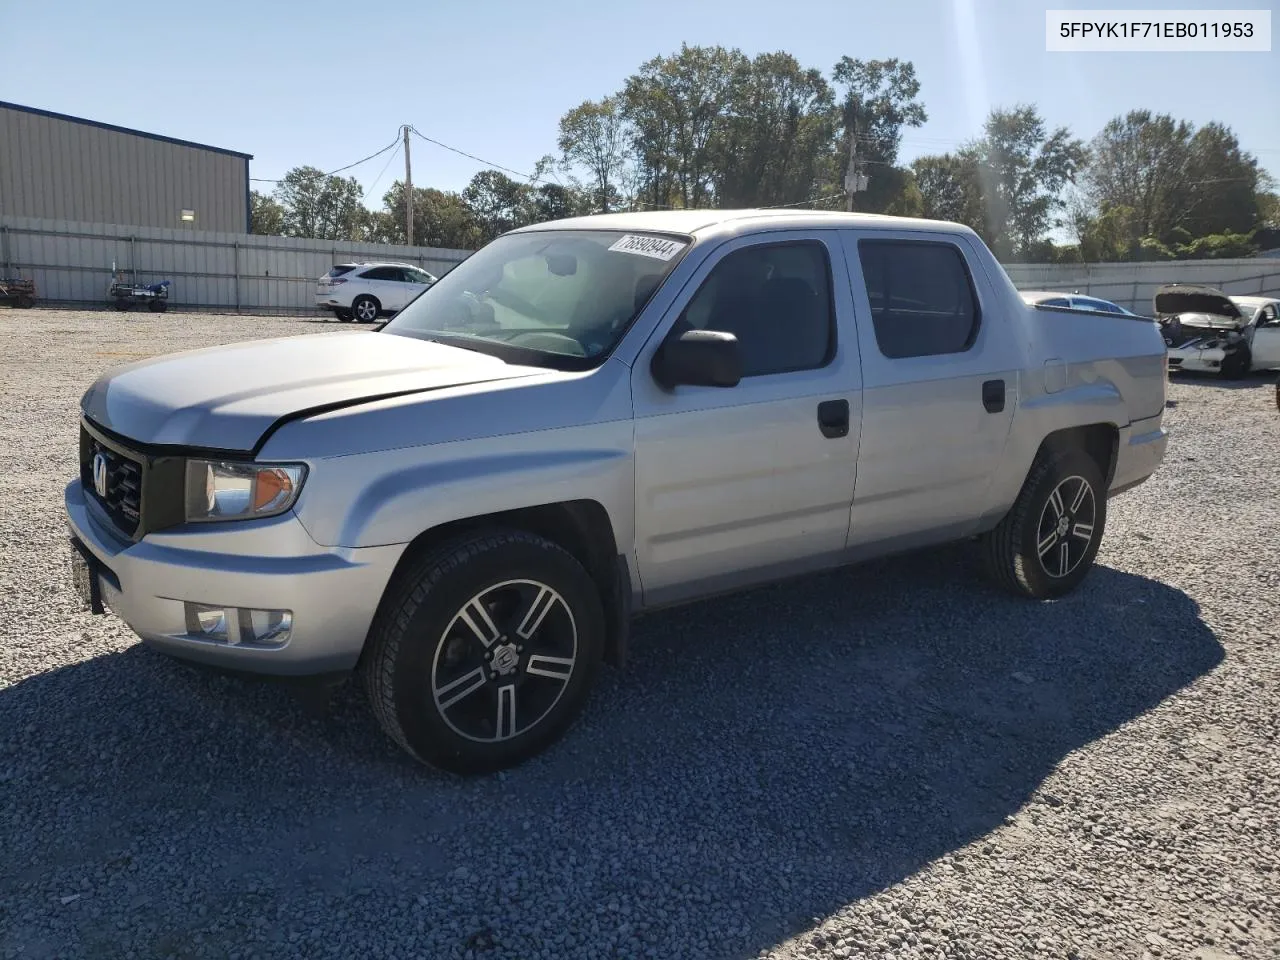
(887, 761)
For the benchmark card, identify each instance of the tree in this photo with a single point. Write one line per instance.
(950, 189)
(774, 146)
(265, 215)
(1224, 183)
(595, 136)
(440, 219)
(497, 203)
(321, 206)
(1023, 170)
(880, 98)
(677, 107)
(1138, 177)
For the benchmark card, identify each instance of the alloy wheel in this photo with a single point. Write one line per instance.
(504, 661)
(1066, 526)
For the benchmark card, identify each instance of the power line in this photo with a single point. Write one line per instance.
(371, 156)
(471, 156)
(394, 153)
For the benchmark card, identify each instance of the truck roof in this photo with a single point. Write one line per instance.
(692, 222)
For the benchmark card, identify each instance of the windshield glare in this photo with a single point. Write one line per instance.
(559, 297)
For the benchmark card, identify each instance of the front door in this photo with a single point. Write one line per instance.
(1265, 348)
(734, 483)
(940, 383)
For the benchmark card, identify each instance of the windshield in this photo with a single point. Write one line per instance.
(1246, 310)
(560, 298)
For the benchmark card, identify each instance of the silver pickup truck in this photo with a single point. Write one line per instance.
(592, 418)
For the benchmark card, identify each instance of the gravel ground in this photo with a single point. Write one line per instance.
(887, 761)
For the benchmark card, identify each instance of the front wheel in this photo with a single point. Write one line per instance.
(156, 306)
(1235, 366)
(485, 651)
(1047, 543)
(122, 305)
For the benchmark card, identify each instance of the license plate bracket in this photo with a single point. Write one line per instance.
(85, 579)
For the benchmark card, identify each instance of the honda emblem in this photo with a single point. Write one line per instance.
(100, 475)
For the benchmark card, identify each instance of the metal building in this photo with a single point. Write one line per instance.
(58, 167)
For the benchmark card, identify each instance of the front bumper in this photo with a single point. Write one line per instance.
(1197, 361)
(1142, 448)
(270, 564)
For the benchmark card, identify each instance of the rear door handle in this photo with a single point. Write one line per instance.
(993, 395)
(833, 418)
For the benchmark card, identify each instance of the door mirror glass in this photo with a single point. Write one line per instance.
(699, 358)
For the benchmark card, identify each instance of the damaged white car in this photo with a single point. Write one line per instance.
(1207, 331)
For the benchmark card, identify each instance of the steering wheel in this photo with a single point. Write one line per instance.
(554, 342)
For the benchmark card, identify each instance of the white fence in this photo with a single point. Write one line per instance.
(72, 262)
(1132, 285)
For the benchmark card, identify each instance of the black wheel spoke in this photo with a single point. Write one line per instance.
(1066, 529)
(517, 641)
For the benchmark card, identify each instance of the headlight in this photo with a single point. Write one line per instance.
(226, 490)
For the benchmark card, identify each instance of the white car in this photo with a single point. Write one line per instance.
(366, 291)
(1209, 332)
(1072, 301)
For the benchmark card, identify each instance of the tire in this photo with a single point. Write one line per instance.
(156, 306)
(1236, 366)
(365, 308)
(25, 302)
(1015, 553)
(448, 686)
(344, 316)
(122, 305)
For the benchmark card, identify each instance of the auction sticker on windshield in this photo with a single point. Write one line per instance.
(660, 248)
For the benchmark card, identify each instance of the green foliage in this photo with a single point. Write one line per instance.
(322, 206)
(1218, 246)
(595, 135)
(440, 219)
(265, 215)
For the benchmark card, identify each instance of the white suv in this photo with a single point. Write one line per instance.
(365, 291)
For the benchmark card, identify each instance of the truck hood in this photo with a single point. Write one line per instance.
(230, 397)
(1212, 304)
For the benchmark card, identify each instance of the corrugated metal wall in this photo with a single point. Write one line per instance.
(63, 170)
(1132, 285)
(73, 262)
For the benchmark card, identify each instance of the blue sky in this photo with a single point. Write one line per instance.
(326, 83)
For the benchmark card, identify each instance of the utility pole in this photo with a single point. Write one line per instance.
(408, 191)
(851, 174)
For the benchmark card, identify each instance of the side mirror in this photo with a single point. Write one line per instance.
(699, 358)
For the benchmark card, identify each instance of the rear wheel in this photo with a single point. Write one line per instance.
(485, 651)
(1047, 543)
(122, 304)
(365, 308)
(156, 306)
(25, 301)
(343, 315)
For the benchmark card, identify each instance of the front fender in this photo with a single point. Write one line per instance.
(392, 496)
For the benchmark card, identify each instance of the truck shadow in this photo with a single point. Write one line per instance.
(763, 761)
(1253, 381)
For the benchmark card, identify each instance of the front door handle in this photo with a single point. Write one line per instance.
(993, 395)
(833, 418)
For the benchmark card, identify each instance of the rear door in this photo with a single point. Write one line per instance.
(939, 372)
(387, 284)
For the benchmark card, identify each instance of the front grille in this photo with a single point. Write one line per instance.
(123, 482)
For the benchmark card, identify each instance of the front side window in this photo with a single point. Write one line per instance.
(560, 298)
(922, 300)
(776, 299)
(381, 273)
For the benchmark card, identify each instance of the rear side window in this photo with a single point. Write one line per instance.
(922, 299)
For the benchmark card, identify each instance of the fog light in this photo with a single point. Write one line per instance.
(270, 626)
(210, 622)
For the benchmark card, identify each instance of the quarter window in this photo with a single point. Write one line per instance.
(776, 299)
(922, 299)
